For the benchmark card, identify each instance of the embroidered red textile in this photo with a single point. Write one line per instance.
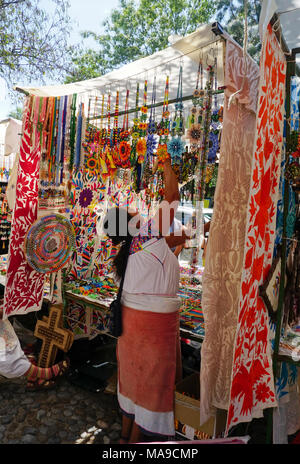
(252, 386)
(24, 286)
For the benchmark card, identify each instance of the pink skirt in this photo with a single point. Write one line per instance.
(148, 354)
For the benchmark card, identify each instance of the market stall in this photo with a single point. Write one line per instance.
(96, 141)
(90, 145)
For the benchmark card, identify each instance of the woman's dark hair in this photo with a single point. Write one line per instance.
(116, 225)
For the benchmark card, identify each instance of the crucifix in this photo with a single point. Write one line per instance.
(50, 330)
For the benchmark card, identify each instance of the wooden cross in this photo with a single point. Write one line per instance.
(50, 330)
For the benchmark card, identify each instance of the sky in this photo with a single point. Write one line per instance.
(87, 15)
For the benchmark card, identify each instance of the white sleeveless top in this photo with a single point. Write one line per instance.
(152, 270)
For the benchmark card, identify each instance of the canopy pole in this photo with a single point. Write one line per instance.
(175, 100)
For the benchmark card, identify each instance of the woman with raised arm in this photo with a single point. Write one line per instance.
(148, 351)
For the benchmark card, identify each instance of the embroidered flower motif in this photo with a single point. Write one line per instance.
(263, 392)
(85, 197)
(144, 109)
(176, 148)
(194, 133)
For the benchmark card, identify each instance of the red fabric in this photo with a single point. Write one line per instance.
(252, 387)
(24, 286)
(146, 354)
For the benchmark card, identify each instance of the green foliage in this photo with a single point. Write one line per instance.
(33, 43)
(17, 113)
(231, 15)
(136, 29)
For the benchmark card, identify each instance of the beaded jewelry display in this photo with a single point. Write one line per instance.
(176, 146)
(135, 134)
(206, 128)
(163, 128)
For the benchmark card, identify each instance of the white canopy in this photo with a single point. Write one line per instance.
(288, 12)
(185, 51)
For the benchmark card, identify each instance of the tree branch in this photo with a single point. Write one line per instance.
(13, 2)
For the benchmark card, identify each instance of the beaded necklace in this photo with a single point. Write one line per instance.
(162, 150)
(151, 122)
(41, 123)
(144, 110)
(177, 125)
(175, 145)
(135, 135)
(125, 132)
(52, 141)
(206, 127)
(72, 130)
(164, 125)
(116, 122)
(62, 154)
(78, 137)
(59, 136)
(102, 135)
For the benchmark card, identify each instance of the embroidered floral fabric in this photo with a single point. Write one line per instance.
(24, 286)
(224, 260)
(86, 193)
(252, 387)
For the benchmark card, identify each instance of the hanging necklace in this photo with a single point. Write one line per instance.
(177, 126)
(175, 145)
(115, 137)
(124, 146)
(151, 122)
(206, 127)
(164, 127)
(125, 132)
(144, 110)
(141, 145)
(135, 134)
(72, 130)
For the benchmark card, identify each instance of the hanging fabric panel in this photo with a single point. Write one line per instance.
(224, 259)
(24, 286)
(252, 386)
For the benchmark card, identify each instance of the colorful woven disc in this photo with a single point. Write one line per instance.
(50, 243)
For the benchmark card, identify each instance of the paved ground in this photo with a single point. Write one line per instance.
(71, 413)
(67, 414)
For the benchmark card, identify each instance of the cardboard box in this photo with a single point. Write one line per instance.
(187, 408)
